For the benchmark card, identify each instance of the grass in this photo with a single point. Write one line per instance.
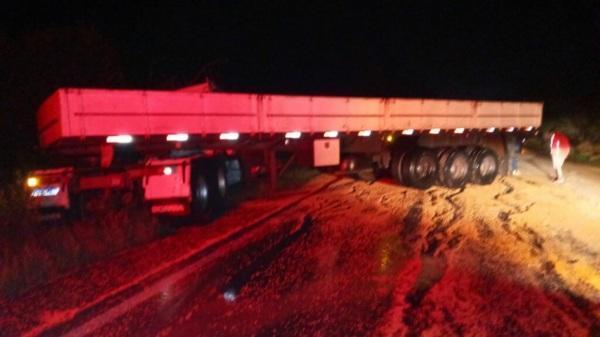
(575, 155)
(33, 252)
(584, 135)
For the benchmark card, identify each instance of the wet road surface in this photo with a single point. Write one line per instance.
(325, 267)
(367, 259)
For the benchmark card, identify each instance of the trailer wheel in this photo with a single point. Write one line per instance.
(200, 195)
(454, 168)
(421, 169)
(217, 184)
(442, 155)
(396, 164)
(484, 166)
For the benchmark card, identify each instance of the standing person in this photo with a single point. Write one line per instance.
(514, 145)
(559, 150)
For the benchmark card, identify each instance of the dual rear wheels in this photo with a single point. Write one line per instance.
(416, 168)
(485, 166)
(453, 167)
(211, 180)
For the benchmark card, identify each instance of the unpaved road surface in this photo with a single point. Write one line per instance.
(515, 258)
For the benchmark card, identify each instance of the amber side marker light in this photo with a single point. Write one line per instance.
(33, 181)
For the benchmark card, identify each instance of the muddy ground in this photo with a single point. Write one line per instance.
(518, 257)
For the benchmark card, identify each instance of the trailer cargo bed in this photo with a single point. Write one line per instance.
(91, 113)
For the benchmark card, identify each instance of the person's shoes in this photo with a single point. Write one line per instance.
(559, 180)
(516, 173)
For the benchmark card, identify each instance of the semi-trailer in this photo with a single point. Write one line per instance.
(182, 150)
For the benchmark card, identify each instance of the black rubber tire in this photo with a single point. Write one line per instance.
(421, 168)
(484, 166)
(396, 163)
(454, 168)
(200, 195)
(217, 183)
(442, 155)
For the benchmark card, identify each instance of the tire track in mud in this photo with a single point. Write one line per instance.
(322, 206)
(438, 239)
(120, 302)
(556, 290)
(325, 207)
(409, 228)
(296, 230)
(432, 243)
(554, 287)
(263, 261)
(437, 242)
(558, 293)
(516, 209)
(439, 234)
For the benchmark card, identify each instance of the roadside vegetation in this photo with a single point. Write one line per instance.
(580, 121)
(33, 252)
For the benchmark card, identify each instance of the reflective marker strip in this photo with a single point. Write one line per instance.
(178, 137)
(330, 134)
(119, 139)
(293, 134)
(229, 136)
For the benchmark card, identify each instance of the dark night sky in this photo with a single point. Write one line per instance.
(490, 50)
(542, 50)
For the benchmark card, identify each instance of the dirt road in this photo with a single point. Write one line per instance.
(515, 258)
